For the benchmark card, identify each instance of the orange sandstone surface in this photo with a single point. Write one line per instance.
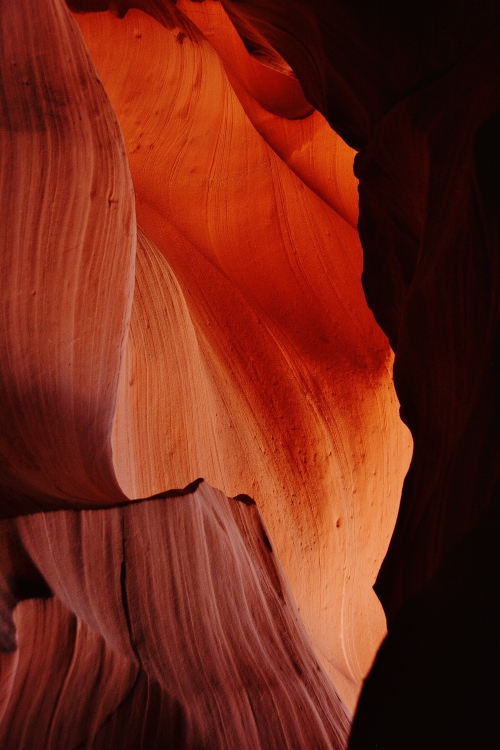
(272, 377)
(214, 326)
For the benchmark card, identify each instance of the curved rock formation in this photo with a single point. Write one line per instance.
(68, 248)
(292, 364)
(235, 343)
(178, 630)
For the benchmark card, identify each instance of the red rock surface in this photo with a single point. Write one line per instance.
(68, 236)
(177, 630)
(229, 337)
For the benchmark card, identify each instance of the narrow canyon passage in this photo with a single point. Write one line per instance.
(186, 303)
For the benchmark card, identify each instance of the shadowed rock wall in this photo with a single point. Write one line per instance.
(163, 635)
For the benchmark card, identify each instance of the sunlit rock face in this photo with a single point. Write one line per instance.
(181, 298)
(281, 377)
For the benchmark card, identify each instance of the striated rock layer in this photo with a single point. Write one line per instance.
(177, 630)
(68, 237)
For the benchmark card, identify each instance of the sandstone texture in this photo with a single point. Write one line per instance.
(192, 297)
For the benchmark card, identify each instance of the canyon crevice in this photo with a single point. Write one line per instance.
(187, 291)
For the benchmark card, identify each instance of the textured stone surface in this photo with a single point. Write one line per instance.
(248, 356)
(68, 239)
(175, 608)
(280, 386)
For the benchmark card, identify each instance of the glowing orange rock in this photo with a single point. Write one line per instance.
(298, 134)
(298, 407)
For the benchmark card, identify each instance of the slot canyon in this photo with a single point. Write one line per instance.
(249, 374)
